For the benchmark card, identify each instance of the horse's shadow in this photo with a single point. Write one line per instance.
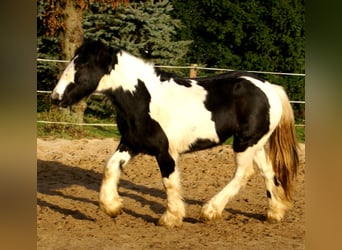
(53, 176)
(255, 216)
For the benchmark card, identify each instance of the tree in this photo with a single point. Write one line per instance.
(61, 20)
(146, 29)
(60, 32)
(249, 34)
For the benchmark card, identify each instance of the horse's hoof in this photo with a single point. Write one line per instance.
(273, 217)
(209, 213)
(170, 221)
(111, 210)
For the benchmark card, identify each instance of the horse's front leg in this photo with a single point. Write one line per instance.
(109, 199)
(175, 211)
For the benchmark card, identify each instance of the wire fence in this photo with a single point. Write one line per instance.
(196, 67)
(192, 67)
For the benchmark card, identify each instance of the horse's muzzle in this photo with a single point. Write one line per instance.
(54, 96)
(57, 100)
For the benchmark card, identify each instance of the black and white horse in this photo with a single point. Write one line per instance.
(164, 115)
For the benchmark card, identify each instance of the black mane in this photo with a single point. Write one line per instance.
(96, 53)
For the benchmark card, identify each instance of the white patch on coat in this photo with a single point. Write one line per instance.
(181, 113)
(68, 77)
(126, 73)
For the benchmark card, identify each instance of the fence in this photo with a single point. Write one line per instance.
(193, 69)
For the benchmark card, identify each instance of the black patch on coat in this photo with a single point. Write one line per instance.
(167, 76)
(140, 133)
(200, 144)
(238, 107)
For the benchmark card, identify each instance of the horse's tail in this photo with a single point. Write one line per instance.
(283, 150)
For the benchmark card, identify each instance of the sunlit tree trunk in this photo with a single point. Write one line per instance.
(70, 40)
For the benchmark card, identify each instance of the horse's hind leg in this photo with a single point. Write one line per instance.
(244, 169)
(110, 201)
(277, 201)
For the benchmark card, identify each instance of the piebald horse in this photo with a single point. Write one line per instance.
(165, 115)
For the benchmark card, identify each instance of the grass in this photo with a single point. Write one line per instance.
(100, 132)
(74, 131)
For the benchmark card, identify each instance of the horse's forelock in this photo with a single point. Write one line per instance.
(96, 53)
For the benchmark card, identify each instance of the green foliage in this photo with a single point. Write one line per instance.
(146, 29)
(249, 34)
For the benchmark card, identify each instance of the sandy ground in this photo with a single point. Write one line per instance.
(68, 216)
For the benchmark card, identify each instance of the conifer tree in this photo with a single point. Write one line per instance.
(145, 29)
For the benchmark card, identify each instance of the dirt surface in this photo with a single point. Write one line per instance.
(68, 216)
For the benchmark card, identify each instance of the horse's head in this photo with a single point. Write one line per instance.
(91, 62)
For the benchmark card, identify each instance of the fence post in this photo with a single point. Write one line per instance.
(193, 71)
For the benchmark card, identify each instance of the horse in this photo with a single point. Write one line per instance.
(165, 115)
